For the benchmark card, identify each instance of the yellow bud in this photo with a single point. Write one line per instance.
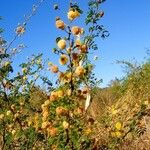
(118, 126)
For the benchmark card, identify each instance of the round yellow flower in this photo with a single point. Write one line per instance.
(24, 70)
(47, 102)
(54, 69)
(76, 30)
(45, 115)
(118, 134)
(63, 59)
(60, 24)
(52, 131)
(68, 76)
(53, 96)
(68, 92)
(88, 131)
(80, 71)
(118, 126)
(72, 14)
(60, 93)
(25, 78)
(13, 132)
(60, 111)
(61, 44)
(83, 48)
(65, 124)
(113, 110)
(146, 102)
(45, 125)
(8, 112)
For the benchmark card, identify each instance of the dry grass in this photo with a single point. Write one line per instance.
(130, 105)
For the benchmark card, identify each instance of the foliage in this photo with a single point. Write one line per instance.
(31, 118)
(125, 118)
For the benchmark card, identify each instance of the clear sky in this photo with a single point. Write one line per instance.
(128, 22)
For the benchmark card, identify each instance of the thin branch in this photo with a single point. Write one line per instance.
(33, 12)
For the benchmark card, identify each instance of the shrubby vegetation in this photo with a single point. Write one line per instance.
(125, 108)
(73, 113)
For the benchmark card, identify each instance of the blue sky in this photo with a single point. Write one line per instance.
(127, 21)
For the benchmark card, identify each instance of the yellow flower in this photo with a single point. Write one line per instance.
(45, 114)
(54, 147)
(13, 132)
(47, 102)
(118, 134)
(80, 71)
(60, 24)
(63, 59)
(8, 112)
(65, 124)
(65, 77)
(25, 78)
(7, 63)
(113, 110)
(52, 131)
(53, 96)
(146, 102)
(54, 69)
(68, 76)
(60, 93)
(88, 131)
(21, 103)
(24, 70)
(20, 30)
(118, 126)
(50, 64)
(29, 122)
(1, 116)
(45, 124)
(61, 44)
(68, 92)
(76, 30)
(72, 14)
(60, 111)
(83, 48)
